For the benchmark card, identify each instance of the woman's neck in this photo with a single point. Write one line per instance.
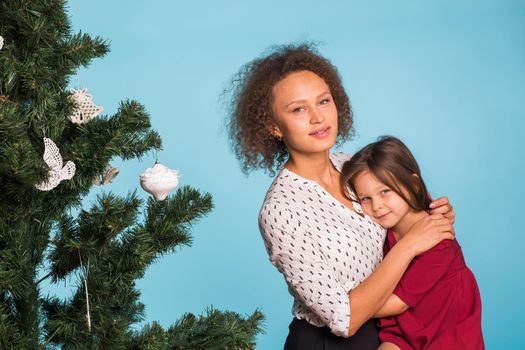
(406, 223)
(317, 167)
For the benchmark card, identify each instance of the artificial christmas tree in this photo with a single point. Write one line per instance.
(44, 232)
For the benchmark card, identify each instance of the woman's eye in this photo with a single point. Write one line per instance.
(324, 101)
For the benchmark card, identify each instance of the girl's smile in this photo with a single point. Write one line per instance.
(378, 201)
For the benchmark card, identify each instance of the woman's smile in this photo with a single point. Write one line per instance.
(321, 133)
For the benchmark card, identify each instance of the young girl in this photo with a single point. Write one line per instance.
(436, 304)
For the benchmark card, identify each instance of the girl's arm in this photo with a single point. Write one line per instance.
(367, 298)
(393, 306)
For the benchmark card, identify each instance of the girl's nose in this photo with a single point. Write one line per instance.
(377, 204)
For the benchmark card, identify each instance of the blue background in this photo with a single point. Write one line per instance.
(448, 77)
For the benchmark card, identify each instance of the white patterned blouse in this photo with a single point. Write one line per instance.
(322, 248)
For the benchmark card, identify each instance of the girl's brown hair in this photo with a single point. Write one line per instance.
(392, 163)
(250, 113)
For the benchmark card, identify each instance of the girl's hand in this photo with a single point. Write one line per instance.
(428, 232)
(442, 206)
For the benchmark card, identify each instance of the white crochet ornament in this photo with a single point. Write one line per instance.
(57, 172)
(86, 109)
(1, 42)
(159, 180)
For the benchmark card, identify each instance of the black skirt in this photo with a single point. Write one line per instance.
(304, 336)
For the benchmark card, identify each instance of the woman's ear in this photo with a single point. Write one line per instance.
(275, 132)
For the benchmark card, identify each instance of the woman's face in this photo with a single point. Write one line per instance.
(305, 114)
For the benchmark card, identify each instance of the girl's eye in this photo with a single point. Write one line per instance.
(385, 191)
(324, 101)
(364, 199)
(298, 110)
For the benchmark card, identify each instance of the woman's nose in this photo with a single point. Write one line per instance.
(316, 116)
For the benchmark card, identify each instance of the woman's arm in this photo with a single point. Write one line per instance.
(393, 306)
(367, 298)
(309, 276)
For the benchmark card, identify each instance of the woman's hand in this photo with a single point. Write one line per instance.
(428, 232)
(443, 206)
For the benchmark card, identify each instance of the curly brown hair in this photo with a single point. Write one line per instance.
(250, 105)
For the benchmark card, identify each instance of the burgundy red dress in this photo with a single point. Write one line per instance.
(444, 302)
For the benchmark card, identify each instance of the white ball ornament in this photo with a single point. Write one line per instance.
(159, 180)
(1, 42)
(85, 109)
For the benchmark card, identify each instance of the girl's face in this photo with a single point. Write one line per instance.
(379, 202)
(305, 114)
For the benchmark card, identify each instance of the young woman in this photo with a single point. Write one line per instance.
(288, 110)
(436, 304)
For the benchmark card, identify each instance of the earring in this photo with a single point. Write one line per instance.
(279, 138)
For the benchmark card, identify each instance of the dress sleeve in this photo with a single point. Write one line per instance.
(424, 272)
(298, 257)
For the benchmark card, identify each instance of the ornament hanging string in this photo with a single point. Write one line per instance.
(86, 271)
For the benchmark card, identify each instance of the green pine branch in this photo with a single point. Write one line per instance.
(80, 49)
(115, 253)
(214, 330)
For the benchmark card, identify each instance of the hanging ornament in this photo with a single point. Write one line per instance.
(85, 270)
(1, 42)
(109, 174)
(57, 173)
(85, 109)
(159, 180)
